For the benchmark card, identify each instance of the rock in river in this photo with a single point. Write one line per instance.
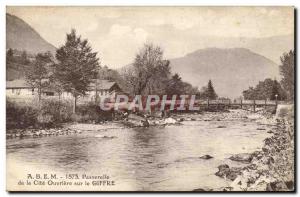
(170, 121)
(242, 157)
(206, 157)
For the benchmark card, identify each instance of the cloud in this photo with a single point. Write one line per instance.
(92, 27)
(120, 45)
(119, 30)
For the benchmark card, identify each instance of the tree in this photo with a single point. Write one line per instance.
(158, 81)
(130, 79)
(250, 94)
(175, 86)
(277, 90)
(203, 93)
(211, 94)
(24, 58)
(9, 55)
(37, 74)
(77, 66)
(264, 90)
(287, 72)
(146, 65)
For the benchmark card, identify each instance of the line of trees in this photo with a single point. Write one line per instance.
(265, 90)
(271, 89)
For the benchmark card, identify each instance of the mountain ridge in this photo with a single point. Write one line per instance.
(231, 70)
(21, 36)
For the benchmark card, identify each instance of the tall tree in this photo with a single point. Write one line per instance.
(77, 66)
(37, 74)
(211, 94)
(287, 72)
(146, 63)
(158, 82)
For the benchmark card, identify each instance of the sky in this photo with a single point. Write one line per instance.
(117, 33)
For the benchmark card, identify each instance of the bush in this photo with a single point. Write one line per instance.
(20, 116)
(51, 112)
(30, 114)
(92, 112)
(59, 111)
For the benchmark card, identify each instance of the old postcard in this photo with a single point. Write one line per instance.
(193, 99)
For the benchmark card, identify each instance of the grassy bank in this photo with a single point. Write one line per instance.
(50, 113)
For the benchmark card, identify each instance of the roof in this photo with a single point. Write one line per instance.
(105, 84)
(18, 83)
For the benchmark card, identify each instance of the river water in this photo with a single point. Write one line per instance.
(152, 159)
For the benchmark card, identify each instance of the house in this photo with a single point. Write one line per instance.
(19, 88)
(103, 89)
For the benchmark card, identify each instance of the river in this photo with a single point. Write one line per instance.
(152, 159)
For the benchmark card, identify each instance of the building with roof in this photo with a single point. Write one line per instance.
(19, 88)
(98, 89)
(103, 89)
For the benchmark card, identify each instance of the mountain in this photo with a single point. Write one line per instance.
(231, 70)
(21, 36)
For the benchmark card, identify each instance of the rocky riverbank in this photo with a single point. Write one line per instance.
(20, 133)
(271, 169)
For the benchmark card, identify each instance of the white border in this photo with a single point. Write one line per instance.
(4, 3)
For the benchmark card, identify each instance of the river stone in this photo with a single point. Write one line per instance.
(230, 173)
(233, 173)
(223, 170)
(242, 157)
(206, 157)
(170, 121)
(221, 126)
(277, 186)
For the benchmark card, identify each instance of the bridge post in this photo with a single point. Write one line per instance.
(276, 103)
(254, 105)
(241, 103)
(265, 104)
(207, 104)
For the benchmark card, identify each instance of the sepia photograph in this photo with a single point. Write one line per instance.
(150, 99)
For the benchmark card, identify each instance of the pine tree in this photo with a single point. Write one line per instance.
(77, 66)
(211, 94)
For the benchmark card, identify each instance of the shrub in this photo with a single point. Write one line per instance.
(51, 112)
(48, 113)
(60, 111)
(92, 112)
(20, 115)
